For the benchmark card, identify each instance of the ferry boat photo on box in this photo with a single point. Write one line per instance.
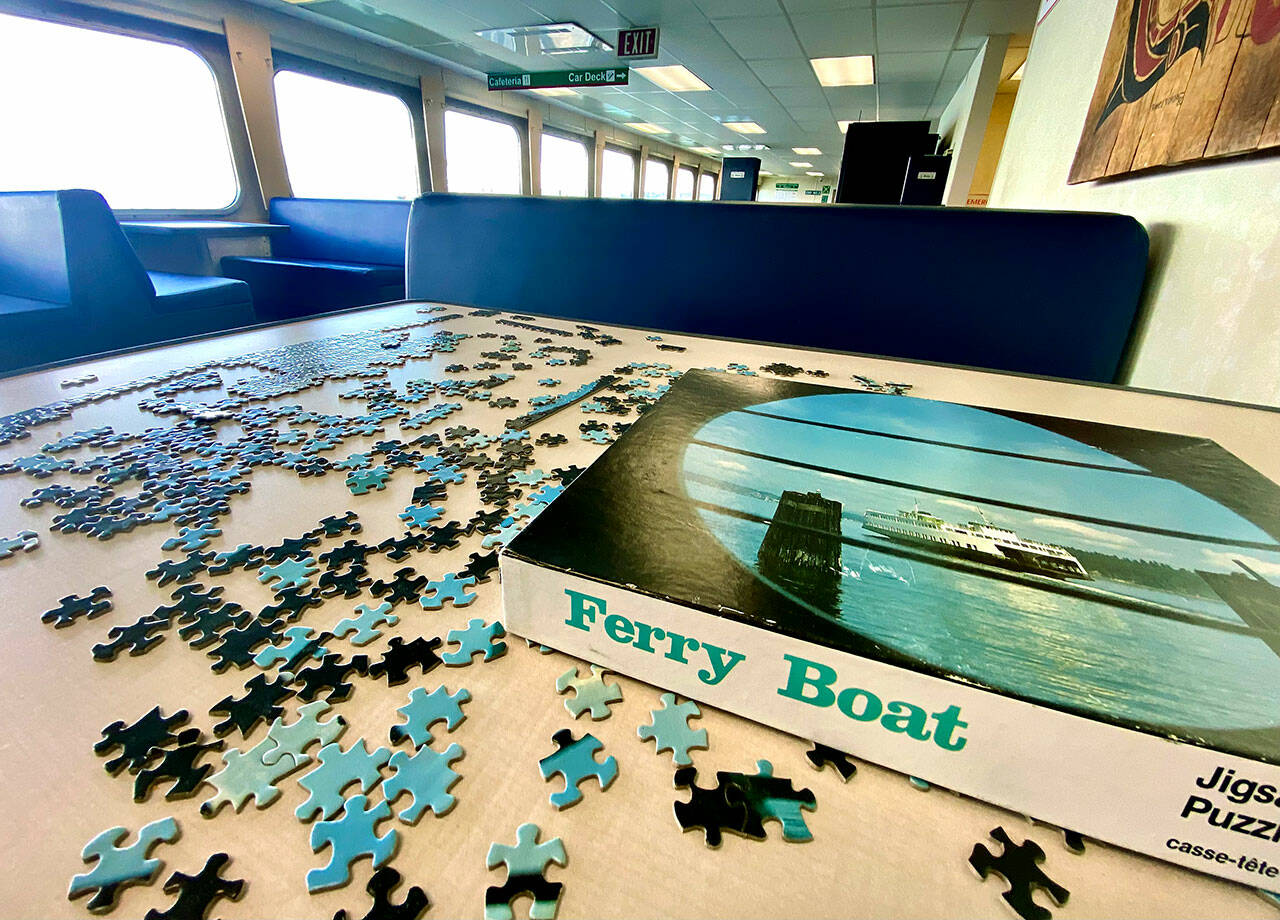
(1074, 620)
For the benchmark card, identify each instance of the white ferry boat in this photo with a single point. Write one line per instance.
(981, 541)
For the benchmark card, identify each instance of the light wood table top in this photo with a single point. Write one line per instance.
(881, 846)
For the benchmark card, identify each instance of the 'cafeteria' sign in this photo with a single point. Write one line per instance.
(547, 79)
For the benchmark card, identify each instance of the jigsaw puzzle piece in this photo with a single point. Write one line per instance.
(768, 797)
(349, 838)
(380, 886)
(711, 810)
(575, 761)
(669, 727)
(526, 864)
(197, 893)
(1019, 866)
(479, 638)
(590, 693)
(118, 866)
(363, 627)
(427, 777)
(245, 775)
(451, 588)
(339, 769)
(300, 642)
(293, 738)
(821, 756)
(425, 709)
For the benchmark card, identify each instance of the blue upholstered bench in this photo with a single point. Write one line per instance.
(337, 253)
(1050, 293)
(70, 285)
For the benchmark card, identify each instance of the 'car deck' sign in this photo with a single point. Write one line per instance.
(546, 79)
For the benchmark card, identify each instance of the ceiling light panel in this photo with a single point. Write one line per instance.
(744, 127)
(553, 38)
(705, 151)
(855, 70)
(801, 165)
(814, 174)
(645, 127)
(674, 77)
(555, 91)
(807, 151)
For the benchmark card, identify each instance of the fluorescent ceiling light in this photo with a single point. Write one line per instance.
(705, 151)
(1017, 74)
(555, 91)
(674, 77)
(856, 70)
(814, 174)
(807, 151)
(548, 38)
(745, 127)
(765, 172)
(729, 147)
(801, 165)
(646, 127)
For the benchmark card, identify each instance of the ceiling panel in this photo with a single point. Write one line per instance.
(785, 72)
(655, 12)
(932, 27)
(593, 15)
(717, 8)
(496, 14)
(848, 99)
(822, 6)
(996, 17)
(800, 98)
(899, 94)
(836, 33)
(910, 67)
(759, 37)
(958, 65)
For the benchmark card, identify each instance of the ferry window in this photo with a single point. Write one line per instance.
(619, 178)
(685, 181)
(481, 154)
(564, 167)
(657, 176)
(138, 120)
(707, 187)
(344, 141)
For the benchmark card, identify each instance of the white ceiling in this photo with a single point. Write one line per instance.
(754, 54)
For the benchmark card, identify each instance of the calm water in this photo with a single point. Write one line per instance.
(1046, 646)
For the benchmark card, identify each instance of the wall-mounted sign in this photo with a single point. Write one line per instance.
(792, 185)
(547, 79)
(638, 43)
(813, 191)
(1182, 82)
(737, 174)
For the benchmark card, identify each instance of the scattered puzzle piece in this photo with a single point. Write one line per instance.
(338, 769)
(427, 777)
(426, 709)
(1018, 865)
(363, 627)
(118, 866)
(140, 742)
(245, 775)
(291, 573)
(349, 838)
(24, 542)
(821, 756)
(401, 656)
(479, 638)
(301, 642)
(295, 737)
(261, 702)
(526, 864)
(178, 764)
(711, 810)
(768, 797)
(197, 893)
(575, 761)
(590, 693)
(669, 727)
(451, 588)
(380, 886)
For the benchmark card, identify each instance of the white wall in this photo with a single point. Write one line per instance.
(1211, 323)
(963, 124)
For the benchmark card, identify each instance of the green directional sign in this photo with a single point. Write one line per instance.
(549, 79)
(794, 185)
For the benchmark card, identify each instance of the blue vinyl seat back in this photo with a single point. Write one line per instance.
(71, 284)
(337, 230)
(1051, 293)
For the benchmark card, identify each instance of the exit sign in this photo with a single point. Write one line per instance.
(638, 43)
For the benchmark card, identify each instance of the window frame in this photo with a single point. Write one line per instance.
(411, 96)
(588, 144)
(636, 166)
(211, 49)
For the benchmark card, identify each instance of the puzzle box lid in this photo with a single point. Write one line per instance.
(1118, 574)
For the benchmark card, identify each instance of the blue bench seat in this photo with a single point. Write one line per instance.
(71, 285)
(337, 254)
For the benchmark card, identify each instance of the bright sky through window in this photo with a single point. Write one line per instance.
(482, 154)
(657, 175)
(564, 167)
(619, 177)
(139, 121)
(344, 141)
